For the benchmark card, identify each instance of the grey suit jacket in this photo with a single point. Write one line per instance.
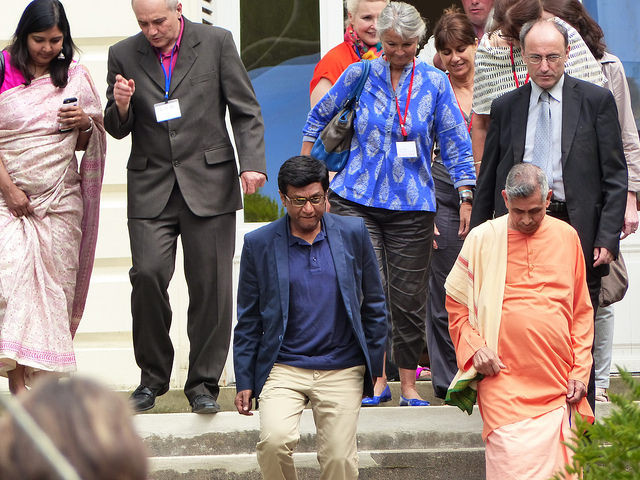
(594, 171)
(195, 150)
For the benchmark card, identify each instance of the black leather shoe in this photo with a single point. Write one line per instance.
(143, 398)
(204, 404)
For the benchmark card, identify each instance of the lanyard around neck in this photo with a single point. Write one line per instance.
(470, 122)
(403, 120)
(167, 76)
(513, 69)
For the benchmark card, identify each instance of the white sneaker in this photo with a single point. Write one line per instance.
(601, 395)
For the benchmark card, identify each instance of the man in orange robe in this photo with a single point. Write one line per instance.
(521, 321)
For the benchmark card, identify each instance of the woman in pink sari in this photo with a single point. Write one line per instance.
(48, 208)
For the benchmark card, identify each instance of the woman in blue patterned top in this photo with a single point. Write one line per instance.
(405, 105)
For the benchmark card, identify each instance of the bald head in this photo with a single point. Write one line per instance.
(170, 4)
(159, 22)
(544, 24)
(545, 48)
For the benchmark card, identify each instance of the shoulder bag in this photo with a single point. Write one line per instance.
(614, 285)
(334, 143)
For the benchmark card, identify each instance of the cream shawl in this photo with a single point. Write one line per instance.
(477, 280)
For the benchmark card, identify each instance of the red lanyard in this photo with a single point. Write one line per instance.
(402, 120)
(462, 111)
(513, 69)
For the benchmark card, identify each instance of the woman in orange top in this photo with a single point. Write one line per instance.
(360, 41)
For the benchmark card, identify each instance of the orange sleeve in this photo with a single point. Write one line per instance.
(582, 324)
(333, 64)
(466, 339)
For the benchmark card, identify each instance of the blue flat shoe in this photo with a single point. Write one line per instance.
(413, 402)
(385, 396)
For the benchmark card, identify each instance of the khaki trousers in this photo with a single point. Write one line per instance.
(335, 397)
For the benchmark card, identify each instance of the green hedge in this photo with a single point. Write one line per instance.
(261, 208)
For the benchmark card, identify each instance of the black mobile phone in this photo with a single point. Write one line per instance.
(69, 100)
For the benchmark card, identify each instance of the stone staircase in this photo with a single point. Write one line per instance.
(393, 443)
(409, 443)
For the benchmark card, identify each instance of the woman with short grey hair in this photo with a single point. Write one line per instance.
(403, 19)
(405, 105)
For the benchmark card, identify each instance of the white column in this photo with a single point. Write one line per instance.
(227, 15)
(331, 24)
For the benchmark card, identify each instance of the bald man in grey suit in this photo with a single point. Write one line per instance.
(170, 87)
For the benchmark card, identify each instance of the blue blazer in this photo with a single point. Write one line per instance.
(263, 298)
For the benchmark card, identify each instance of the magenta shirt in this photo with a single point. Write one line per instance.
(12, 76)
(166, 57)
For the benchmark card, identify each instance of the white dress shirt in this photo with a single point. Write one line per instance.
(555, 106)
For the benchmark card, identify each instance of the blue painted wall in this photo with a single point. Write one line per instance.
(283, 93)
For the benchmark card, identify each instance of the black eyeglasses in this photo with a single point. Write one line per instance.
(302, 201)
(551, 59)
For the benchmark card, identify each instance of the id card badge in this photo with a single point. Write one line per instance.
(407, 149)
(167, 110)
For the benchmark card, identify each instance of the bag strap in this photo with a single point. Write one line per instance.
(1, 68)
(355, 94)
(363, 78)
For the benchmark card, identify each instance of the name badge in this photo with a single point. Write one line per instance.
(167, 110)
(407, 149)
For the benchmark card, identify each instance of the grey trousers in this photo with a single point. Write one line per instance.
(402, 242)
(208, 244)
(442, 354)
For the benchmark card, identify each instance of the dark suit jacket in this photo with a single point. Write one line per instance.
(263, 297)
(594, 170)
(194, 150)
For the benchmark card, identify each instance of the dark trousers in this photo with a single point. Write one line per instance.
(208, 244)
(402, 242)
(594, 282)
(442, 354)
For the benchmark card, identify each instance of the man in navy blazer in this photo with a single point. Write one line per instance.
(311, 325)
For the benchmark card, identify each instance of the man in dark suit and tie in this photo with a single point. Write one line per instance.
(569, 128)
(170, 86)
(311, 325)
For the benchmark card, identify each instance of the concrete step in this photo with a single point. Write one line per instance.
(379, 428)
(467, 463)
(393, 443)
(411, 443)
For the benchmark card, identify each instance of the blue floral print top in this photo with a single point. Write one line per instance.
(375, 175)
